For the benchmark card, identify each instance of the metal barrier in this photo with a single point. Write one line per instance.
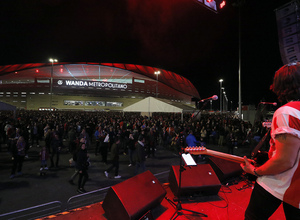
(86, 198)
(34, 212)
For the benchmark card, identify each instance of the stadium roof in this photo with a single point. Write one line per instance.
(168, 78)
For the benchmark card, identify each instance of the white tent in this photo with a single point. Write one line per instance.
(7, 107)
(150, 105)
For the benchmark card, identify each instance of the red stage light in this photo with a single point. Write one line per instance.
(222, 4)
(61, 70)
(37, 71)
(208, 1)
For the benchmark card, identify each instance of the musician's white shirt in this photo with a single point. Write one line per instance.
(285, 186)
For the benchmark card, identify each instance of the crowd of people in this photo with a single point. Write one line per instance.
(118, 133)
(138, 136)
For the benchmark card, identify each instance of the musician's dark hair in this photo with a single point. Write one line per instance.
(286, 82)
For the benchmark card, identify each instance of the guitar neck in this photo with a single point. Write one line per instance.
(221, 155)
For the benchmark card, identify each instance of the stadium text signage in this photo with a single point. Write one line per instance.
(82, 83)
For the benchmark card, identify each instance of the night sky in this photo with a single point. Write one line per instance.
(176, 35)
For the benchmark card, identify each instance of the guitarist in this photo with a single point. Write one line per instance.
(279, 178)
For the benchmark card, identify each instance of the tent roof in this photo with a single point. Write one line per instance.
(7, 107)
(151, 104)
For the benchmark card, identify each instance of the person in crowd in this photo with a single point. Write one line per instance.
(48, 139)
(165, 137)
(44, 155)
(191, 140)
(56, 146)
(131, 149)
(35, 134)
(114, 158)
(112, 135)
(99, 137)
(140, 156)
(12, 138)
(86, 136)
(18, 153)
(230, 141)
(72, 139)
(74, 161)
(221, 132)
(82, 165)
(152, 142)
(213, 136)
(278, 179)
(105, 147)
(203, 133)
(7, 126)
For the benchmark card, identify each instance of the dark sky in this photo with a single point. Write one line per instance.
(176, 35)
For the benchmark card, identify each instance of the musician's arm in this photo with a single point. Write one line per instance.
(287, 147)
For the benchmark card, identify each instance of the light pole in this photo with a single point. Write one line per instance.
(225, 102)
(51, 80)
(221, 80)
(240, 61)
(157, 73)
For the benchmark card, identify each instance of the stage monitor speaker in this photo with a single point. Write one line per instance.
(200, 179)
(132, 198)
(225, 169)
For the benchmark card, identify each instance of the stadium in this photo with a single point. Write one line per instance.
(91, 86)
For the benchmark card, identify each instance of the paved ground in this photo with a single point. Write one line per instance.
(31, 189)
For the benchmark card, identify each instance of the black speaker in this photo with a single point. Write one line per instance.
(200, 179)
(132, 198)
(225, 169)
(288, 31)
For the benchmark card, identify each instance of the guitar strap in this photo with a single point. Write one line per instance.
(259, 145)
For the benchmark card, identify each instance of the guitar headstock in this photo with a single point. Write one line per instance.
(267, 124)
(195, 150)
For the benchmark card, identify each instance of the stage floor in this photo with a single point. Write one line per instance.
(230, 203)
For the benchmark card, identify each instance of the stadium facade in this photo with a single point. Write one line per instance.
(90, 86)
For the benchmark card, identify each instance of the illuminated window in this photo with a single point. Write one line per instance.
(43, 80)
(114, 104)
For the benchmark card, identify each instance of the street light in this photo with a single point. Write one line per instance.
(221, 80)
(157, 73)
(51, 80)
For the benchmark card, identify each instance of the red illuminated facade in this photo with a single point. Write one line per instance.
(28, 85)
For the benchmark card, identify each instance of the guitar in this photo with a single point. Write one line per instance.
(205, 151)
